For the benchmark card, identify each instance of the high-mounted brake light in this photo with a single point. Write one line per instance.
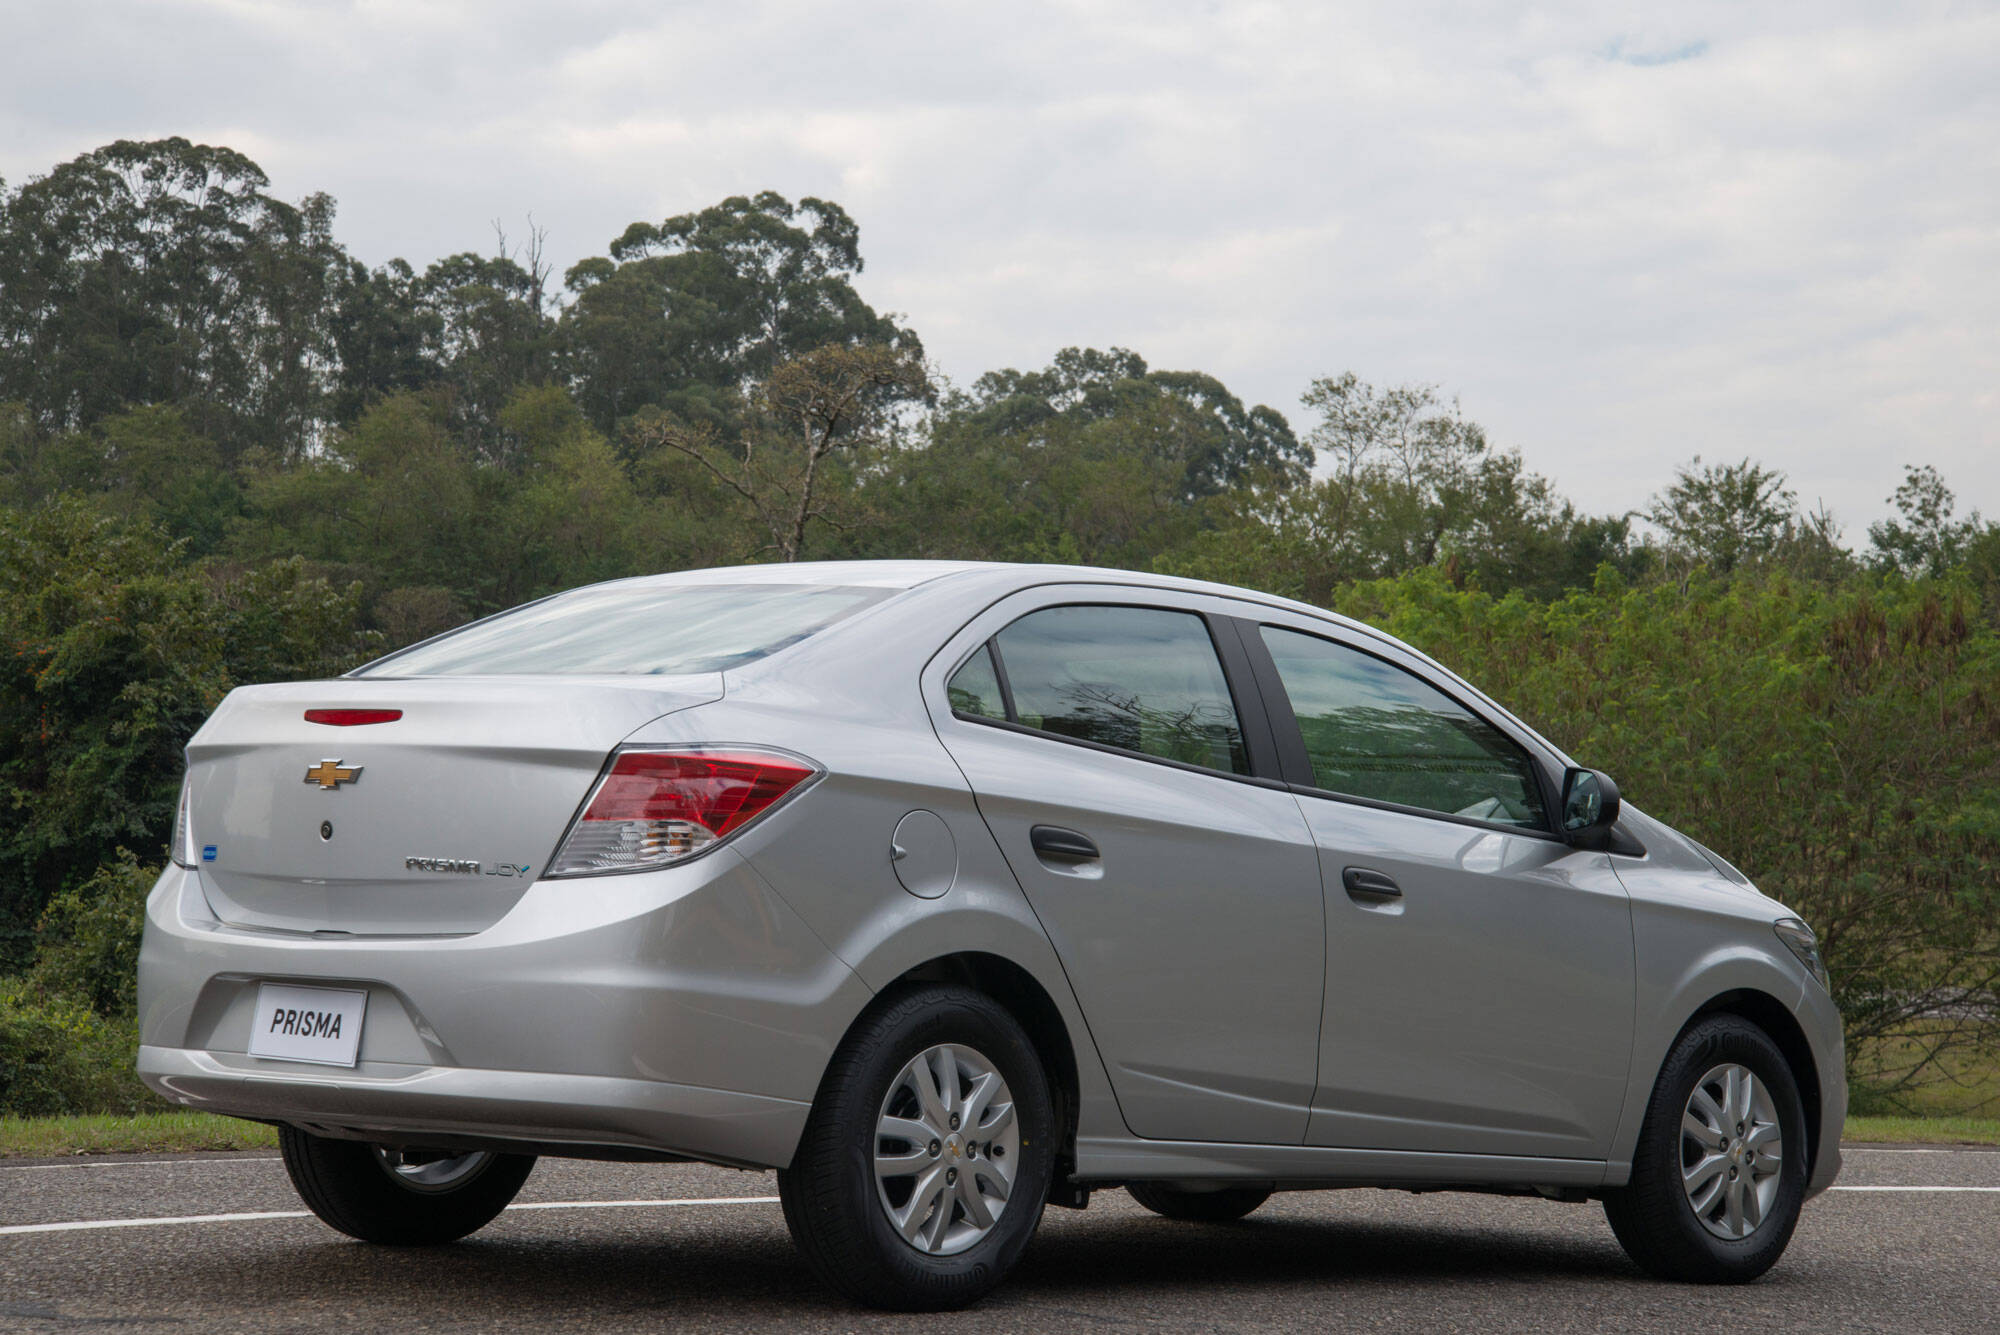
(352, 718)
(656, 808)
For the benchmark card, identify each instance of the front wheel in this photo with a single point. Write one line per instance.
(400, 1197)
(1719, 1173)
(926, 1159)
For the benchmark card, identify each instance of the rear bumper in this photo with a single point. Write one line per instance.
(454, 1102)
(686, 1011)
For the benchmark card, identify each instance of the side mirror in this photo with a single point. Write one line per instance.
(1589, 808)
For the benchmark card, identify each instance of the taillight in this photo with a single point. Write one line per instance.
(182, 850)
(352, 718)
(656, 808)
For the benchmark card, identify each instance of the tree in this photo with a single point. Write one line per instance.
(163, 272)
(833, 400)
(115, 650)
(489, 333)
(688, 313)
(1184, 419)
(1412, 483)
(1924, 539)
(1723, 515)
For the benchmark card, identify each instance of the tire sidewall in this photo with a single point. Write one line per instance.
(1708, 1045)
(963, 1019)
(348, 1187)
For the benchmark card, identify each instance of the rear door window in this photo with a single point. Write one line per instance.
(1375, 731)
(1141, 679)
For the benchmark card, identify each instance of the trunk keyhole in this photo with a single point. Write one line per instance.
(326, 829)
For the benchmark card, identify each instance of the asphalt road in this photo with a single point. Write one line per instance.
(1903, 1259)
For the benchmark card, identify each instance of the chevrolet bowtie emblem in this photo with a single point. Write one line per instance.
(331, 774)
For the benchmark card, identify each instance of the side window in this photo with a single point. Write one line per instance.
(1137, 678)
(1376, 731)
(974, 690)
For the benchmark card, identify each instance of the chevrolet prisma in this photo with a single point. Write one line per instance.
(951, 891)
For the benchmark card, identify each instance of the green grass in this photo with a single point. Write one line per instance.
(170, 1132)
(1925, 1130)
(47, 1137)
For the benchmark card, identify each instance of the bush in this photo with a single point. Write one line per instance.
(89, 937)
(1839, 743)
(58, 1056)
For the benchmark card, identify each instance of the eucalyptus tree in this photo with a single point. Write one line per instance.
(164, 272)
(684, 313)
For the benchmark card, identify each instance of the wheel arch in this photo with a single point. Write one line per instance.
(1777, 1021)
(1029, 1003)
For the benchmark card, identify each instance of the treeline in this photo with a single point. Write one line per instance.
(231, 451)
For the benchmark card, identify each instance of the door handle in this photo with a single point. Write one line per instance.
(1060, 845)
(1364, 883)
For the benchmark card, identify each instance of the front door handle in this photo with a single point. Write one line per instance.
(1366, 885)
(1060, 845)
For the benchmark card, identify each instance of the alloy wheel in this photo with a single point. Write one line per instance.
(1732, 1151)
(946, 1149)
(431, 1173)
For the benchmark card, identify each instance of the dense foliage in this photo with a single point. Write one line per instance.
(230, 451)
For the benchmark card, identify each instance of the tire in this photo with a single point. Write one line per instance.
(1654, 1215)
(840, 1212)
(1197, 1207)
(363, 1192)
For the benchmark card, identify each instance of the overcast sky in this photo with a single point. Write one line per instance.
(1620, 234)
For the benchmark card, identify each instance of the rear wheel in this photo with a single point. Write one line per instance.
(926, 1160)
(1719, 1173)
(401, 1197)
(1197, 1207)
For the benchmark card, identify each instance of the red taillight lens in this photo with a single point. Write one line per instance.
(352, 718)
(657, 807)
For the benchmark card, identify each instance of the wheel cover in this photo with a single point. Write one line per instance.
(428, 1174)
(1732, 1151)
(946, 1149)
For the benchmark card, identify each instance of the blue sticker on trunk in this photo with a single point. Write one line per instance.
(208, 852)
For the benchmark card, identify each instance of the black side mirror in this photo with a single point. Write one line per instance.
(1589, 808)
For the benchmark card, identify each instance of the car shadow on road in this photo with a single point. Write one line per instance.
(743, 1268)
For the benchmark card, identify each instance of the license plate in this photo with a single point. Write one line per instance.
(307, 1024)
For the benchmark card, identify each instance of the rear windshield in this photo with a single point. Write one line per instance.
(634, 631)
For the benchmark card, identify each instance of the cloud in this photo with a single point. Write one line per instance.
(1621, 235)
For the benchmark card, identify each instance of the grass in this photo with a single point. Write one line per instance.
(175, 1132)
(1925, 1130)
(161, 1132)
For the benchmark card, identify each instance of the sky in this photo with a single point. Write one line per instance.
(1621, 235)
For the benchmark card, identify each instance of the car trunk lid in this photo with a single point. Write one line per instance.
(433, 823)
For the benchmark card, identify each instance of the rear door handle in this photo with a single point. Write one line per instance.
(1369, 885)
(1060, 845)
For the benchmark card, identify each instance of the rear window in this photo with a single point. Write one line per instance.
(625, 630)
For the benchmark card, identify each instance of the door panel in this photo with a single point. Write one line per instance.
(1487, 1008)
(1194, 938)
(1185, 904)
(1479, 973)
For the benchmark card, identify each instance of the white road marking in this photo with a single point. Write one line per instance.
(1913, 1188)
(1898, 1149)
(74, 1225)
(612, 1205)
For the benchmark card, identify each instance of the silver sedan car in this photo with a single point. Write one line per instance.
(951, 891)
